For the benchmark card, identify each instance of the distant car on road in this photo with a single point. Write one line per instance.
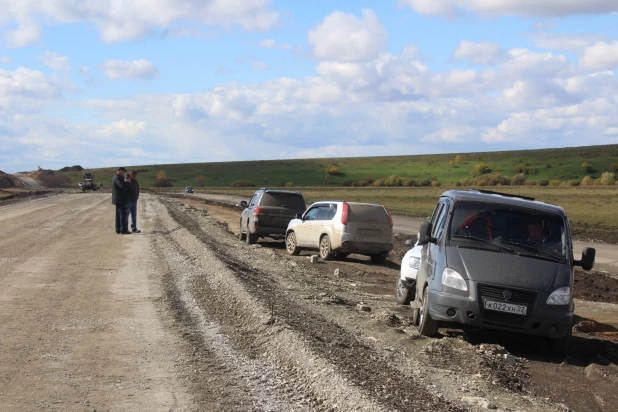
(338, 228)
(188, 189)
(406, 283)
(268, 213)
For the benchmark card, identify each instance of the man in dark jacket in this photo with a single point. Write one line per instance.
(120, 199)
(133, 196)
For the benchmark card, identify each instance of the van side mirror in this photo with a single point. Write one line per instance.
(424, 234)
(299, 216)
(588, 255)
(243, 203)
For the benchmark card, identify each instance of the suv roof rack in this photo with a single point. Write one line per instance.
(491, 192)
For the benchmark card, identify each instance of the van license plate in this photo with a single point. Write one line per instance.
(370, 232)
(506, 307)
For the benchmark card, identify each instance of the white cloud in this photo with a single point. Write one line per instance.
(123, 20)
(484, 52)
(527, 8)
(258, 65)
(5, 59)
(600, 56)
(122, 128)
(141, 69)
(564, 41)
(273, 44)
(26, 89)
(55, 61)
(345, 38)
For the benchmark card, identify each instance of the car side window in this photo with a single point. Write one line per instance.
(439, 227)
(323, 212)
(436, 214)
(253, 200)
(312, 213)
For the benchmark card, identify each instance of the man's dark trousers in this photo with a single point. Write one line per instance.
(122, 219)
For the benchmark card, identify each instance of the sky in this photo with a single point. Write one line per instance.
(103, 83)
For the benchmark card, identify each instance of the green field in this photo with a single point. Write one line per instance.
(548, 164)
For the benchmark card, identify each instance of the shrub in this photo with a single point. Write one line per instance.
(519, 179)
(543, 182)
(531, 183)
(347, 183)
(394, 181)
(554, 182)
(242, 183)
(333, 170)
(370, 179)
(289, 184)
(608, 179)
(613, 167)
(587, 181)
(379, 183)
(497, 179)
(573, 182)
(482, 181)
(424, 183)
(410, 182)
(435, 183)
(480, 169)
(466, 182)
(361, 183)
(587, 167)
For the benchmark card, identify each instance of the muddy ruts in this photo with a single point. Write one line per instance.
(357, 361)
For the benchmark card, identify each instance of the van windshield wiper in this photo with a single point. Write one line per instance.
(491, 242)
(554, 258)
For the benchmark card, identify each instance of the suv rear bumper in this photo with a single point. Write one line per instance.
(468, 311)
(350, 246)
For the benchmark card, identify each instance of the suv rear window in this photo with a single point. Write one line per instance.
(367, 213)
(286, 200)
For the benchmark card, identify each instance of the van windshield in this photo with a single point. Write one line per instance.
(520, 229)
(286, 200)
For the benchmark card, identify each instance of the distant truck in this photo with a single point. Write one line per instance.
(88, 183)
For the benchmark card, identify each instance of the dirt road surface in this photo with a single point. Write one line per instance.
(606, 254)
(185, 317)
(29, 182)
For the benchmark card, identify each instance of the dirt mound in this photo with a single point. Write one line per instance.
(75, 168)
(595, 286)
(50, 179)
(7, 181)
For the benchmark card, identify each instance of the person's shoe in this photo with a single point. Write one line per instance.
(136, 230)
(118, 232)
(126, 233)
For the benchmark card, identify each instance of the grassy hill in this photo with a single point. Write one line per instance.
(562, 164)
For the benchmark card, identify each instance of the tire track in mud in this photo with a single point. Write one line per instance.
(354, 359)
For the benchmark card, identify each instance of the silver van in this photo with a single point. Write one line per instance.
(339, 228)
(497, 261)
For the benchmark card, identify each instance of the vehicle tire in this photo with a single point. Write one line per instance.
(560, 347)
(378, 259)
(250, 239)
(325, 250)
(415, 315)
(402, 293)
(290, 244)
(426, 325)
(241, 236)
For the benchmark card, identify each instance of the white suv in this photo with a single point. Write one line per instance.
(341, 228)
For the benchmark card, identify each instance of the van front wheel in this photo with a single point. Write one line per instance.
(325, 248)
(426, 325)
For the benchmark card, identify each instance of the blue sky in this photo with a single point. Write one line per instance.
(109, 82)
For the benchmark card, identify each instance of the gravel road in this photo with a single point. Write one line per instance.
(184, 317)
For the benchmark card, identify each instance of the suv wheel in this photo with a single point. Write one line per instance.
(250, 239)
(403, 294)
(242, 236)
(426, 325)
(290, 244)
(325, 250)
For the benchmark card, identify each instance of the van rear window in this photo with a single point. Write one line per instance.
(287, 200)
(367, 213)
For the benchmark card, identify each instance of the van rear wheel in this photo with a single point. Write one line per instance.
(426, 325)
(325, 248)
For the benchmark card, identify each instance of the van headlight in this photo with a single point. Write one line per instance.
(453, 279)
(560, 296)
(415, 262)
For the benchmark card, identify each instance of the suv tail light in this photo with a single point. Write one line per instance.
(390, 217)
(258, 212)
(344, 213)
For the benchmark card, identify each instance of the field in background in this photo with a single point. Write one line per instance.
(547, 164)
